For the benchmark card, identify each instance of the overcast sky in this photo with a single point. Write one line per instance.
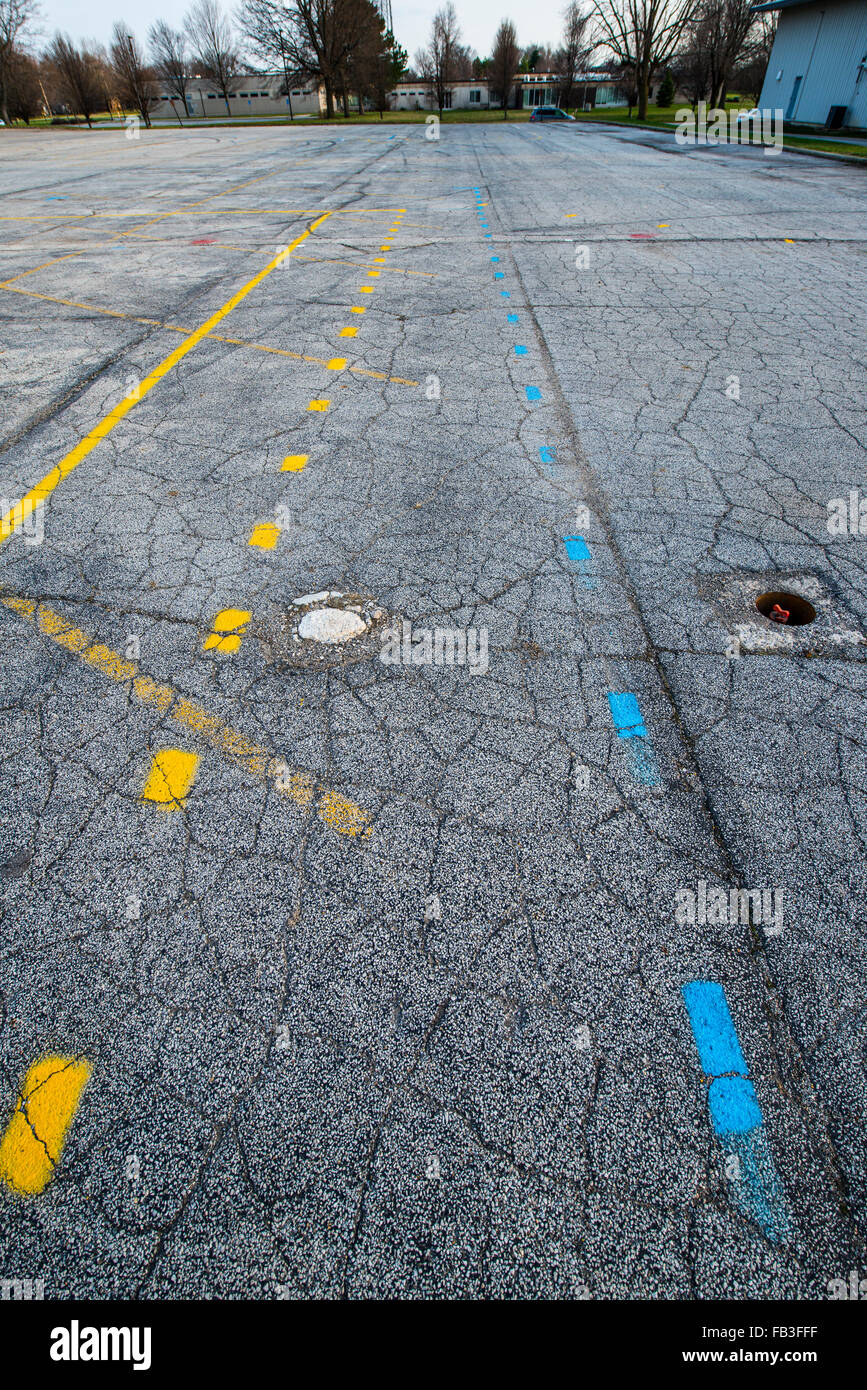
(537, 21)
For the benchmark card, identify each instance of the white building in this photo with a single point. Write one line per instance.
(529, 89)
(250, 94)
(817, 74)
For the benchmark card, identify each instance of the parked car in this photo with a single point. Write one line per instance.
(550, 113)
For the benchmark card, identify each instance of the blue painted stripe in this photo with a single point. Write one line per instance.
(718, 1048)
(533, 393)
(734, 1109)
(626, 714)
(577, 549)
(547, 453)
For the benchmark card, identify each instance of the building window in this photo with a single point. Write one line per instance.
(447, 101)
(475, 96)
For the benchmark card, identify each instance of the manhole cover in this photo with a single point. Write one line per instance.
(784, 614)
(328, 628)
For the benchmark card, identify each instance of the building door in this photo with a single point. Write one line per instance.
(793, 99)
(856, 116)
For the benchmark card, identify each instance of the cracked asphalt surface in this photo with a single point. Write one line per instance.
(416, 1028)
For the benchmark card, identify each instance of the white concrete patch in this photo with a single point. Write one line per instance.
(331, 625)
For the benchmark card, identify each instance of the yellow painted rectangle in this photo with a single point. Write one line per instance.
(170, 778)
(318, 405)
(374, 273)
(348, 332)
(265, 535)
(358, 309)
(367, 289)
(35, 1135)
(293, 463)
(337, 363)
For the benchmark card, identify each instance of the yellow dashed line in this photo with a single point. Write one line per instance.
(334, 809)
(348, 332)
(19, 513)
(35, 1135)
(318, 405)
(172, 773)
(227, 631)
(293, 463)
(337, 364)
(265, 535)
(357, 310)
(367, 289)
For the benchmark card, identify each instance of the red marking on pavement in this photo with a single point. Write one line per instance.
(642, 236)
(204, 241)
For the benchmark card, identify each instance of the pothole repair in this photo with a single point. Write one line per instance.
(328, 628)
(783, 614)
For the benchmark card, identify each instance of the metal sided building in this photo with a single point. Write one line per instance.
(817, 74)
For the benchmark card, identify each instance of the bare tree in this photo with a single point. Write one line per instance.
(724, 26)
(577, 47)
(14, 17)
(437, 62)
(213, 44)
(750, 76)
(267, 26)
(170, 62)
(504, 63)
(321, 38)
(135, 81)
(24, 91)
(644, 34)
(79, 74)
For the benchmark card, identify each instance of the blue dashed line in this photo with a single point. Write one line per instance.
(533, 393)
(498, 275)
(626, 714)
(520, 351)
(734, 1108)
(577, 549)
(512, 318)
(495, 258)
(547, 453)
(507, 294)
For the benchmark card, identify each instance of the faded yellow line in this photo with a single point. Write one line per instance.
(217, 337)
(15, 516)
(148, 223)
(334, 809)
(34, 1138)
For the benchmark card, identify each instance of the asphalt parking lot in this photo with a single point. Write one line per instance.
(343, 969)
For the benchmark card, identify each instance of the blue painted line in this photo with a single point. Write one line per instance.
(547, 453)
(498, 275)
(734, 1108)
(577, 549)
(533, 393)
(511, 318)
(627, 716)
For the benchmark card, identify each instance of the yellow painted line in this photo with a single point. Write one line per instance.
(335, 810)
(319, 405)
(172, 773)
(34, 1138)
(15, 517)
(661, 225)
(265, 535)
(789, 240)
(229, 625)
(337, 364)
(348, 332)
(121, 235)
(214, 337)
(293, 463)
